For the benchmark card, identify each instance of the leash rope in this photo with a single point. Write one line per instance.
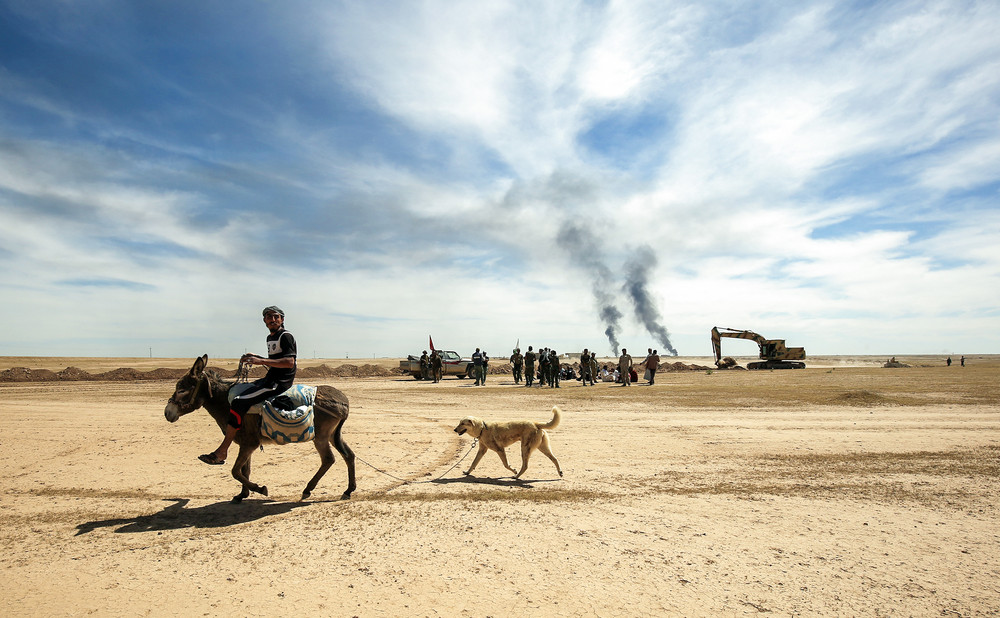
(406, 482)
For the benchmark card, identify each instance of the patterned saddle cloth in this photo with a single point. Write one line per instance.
(286, 418)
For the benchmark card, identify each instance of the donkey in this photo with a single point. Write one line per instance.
(204, 388)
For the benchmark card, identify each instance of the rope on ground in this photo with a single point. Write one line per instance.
(406, 482)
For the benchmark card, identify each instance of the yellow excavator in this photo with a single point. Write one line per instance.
(773, 353)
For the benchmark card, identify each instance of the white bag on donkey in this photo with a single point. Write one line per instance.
(286, 426)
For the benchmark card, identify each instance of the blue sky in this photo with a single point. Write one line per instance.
(493, 172)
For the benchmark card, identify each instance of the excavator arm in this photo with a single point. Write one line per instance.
(717, 336)
(773, 353)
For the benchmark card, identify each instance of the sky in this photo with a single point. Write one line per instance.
(490, 174)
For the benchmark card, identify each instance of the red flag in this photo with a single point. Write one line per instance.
(431, 342)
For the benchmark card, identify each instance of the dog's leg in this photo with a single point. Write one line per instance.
(503, 457)
(527, 446)
(544, 448)
(479, 455)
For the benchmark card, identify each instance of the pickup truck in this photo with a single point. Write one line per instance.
(452, 364)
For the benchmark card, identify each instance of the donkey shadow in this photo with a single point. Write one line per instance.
(177, 517)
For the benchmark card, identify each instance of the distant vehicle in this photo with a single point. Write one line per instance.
(452, 364)
(773, 353)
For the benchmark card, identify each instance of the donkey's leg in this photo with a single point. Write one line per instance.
(241, 472)
(348, 455)
(244, 490)
(322, 444)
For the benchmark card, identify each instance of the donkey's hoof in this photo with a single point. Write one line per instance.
(306, 494)
(262, 490)
(237, 498)
(346, 495)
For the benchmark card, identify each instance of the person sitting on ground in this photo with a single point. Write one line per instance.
(280, 363)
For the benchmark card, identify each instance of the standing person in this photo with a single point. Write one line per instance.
(652, 364)
(553, 369)
(424, 366)
(625, 367)
(436, 365)
(517, 360)
(477, 366)
(645, 362)
(529, 367)
(593, 367)
(963, 361)
(949, 361)
(486, 366)
(585, 375)
(543, 366)
(280, 363)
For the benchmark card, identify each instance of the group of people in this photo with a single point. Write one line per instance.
(550, 370)
(431, 367)
(949, 361)
(626, 373)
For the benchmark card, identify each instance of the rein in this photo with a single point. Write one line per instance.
(203, 381)
(243, 372)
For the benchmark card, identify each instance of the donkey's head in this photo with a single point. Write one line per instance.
(191, 392)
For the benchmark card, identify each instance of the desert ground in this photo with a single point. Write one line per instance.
(843, 489)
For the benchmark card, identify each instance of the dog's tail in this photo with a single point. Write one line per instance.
(555, 419)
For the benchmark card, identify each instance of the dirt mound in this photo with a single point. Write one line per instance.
(23, 374)
(122, 374)
(165, 374)
(894, 364)
(74, 373)
(679, 366)
(728, 362)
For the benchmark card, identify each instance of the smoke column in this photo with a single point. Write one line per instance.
(586, 253)
(636, 282)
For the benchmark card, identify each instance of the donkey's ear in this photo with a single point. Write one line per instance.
(199, 365)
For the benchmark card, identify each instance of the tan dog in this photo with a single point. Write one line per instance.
(498, 436)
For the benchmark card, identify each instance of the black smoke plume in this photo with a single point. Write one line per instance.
(636, 286)
(586, 254)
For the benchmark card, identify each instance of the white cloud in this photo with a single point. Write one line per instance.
(766, 111)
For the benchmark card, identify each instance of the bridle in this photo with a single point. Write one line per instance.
(203, 381)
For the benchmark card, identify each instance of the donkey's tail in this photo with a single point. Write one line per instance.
(555, 419)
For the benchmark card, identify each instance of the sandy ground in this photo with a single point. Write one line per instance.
(841, 489)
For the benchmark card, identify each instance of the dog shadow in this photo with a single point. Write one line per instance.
(501, 482)
(176, 516)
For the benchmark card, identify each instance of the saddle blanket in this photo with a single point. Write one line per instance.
(285, 426)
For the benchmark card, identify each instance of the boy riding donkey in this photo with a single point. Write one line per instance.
(280, 363)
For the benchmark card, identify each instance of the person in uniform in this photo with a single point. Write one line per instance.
(517, 360)
(529, 367)
(280, 363)
(543, 367)
(477, 366)
(625, 367)
(424, 366)
(436, 365)
(585, 375)
(553, 369)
